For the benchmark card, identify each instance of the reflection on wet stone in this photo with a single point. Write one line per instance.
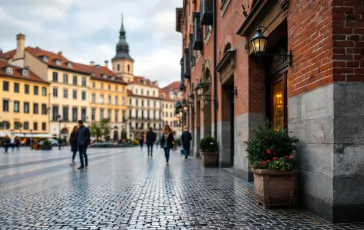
(124, 189)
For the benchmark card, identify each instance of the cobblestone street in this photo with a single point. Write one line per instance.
(125, 189)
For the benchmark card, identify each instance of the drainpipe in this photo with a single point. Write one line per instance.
(215, 72)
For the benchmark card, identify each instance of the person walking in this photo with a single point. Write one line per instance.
(73, 143)
(186, 141)
(167, 141)
(141, 141)
(12, 143)
(6, 143)
(83, 139)
(151, 136)
(17, 142)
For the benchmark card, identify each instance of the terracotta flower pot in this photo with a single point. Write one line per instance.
(274, 188)
(209, 159)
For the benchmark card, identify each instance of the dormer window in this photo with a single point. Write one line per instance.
(69, 65)
(104, 76)
(25, 73)
(45, 58)
(9, 70)
(58, 62)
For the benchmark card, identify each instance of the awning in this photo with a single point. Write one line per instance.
(27, 135)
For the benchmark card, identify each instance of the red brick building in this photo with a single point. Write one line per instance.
(317, 92)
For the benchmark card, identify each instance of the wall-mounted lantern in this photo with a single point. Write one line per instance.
(259, 42)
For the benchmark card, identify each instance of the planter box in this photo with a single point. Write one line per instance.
(209, 159)
(275, 188)
(46, 147)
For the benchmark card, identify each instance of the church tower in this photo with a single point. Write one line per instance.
(123, 63)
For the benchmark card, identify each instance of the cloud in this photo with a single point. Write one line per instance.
(88, 30)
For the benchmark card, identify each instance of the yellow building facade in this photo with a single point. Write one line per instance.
(24, 101)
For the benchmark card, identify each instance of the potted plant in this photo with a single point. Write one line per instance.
(270, 155)
(47, 145)
(208, 149)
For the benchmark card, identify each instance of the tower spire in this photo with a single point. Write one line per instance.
(122, 48)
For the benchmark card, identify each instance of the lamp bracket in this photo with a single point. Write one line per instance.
(283, 55)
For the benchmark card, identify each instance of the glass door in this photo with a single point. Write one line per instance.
(278, 102)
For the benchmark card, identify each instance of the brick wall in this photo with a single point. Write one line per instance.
(327, 40)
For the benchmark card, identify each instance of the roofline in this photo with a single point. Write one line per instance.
(25, 79)
(109, 80)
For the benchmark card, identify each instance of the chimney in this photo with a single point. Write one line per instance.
(92, 63)
(60, 53)
(1, 52)
(20, 46)
(107, 64)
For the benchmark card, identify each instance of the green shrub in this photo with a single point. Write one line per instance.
(272, 149)
(208, 144)
(47, 143)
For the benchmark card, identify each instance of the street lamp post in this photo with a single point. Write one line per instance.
(59, 129)
(31, 145)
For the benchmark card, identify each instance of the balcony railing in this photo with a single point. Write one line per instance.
(197, 33)
(207, 14)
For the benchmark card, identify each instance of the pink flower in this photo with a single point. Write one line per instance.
(268, 151)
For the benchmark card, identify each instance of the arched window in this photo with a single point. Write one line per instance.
(128, 68)
(227, 48)
(118, 67)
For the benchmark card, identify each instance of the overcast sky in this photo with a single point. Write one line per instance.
(88, 30)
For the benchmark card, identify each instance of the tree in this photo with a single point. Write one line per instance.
(100, 129)
(20, 126)
(4, 125)
(123, 134)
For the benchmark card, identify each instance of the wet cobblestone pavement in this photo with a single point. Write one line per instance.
(124, 189)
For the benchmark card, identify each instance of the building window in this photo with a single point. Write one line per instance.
(93, 98)
(69, 64)
(155, 104)
(83, 81)
(84, 96)
(102, 85)
(142, 102)
(129, 68)
(65, 93)
(109, 114)
(26, 125)
(153, 93)
(136, 102)
(58, 62)
(65, 78)
(44, 126)
(102, 98)
(148, 103)
(74, 80)
(109, 87)
(35, 126)
(101, 114)
(130, 101)
(45, 58)
(136, 114)
(109, 99)
(116, 88)
(55, 77)
(118, 67)
(123, 116)
(55, 92)
(141, 92)
(83, 114)
(93, 85)
(5, 86)
(116, 100)
(16, 125)
(44, 91)
(26, 89)
(9, 70)
(74, 114)
(116, 116)
(65, 113)
(35, 108)
(36, 90)
(44, 109)
(55, 113)
(16, 87)
(26, 107)
(129, 113)
(148, 92)
(16, 107)
(93, 114)
(123, 100)
(74, 93)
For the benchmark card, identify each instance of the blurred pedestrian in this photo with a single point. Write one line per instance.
(186, 141)
(12, 143)
(6, 143)
(73, 143)
(167, 141)
(83, 140)
(17, 142)
(151, 137)
(141, 141)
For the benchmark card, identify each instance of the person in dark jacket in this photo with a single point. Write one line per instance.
(83, 140)
(186, 141)
(151, 136)
(6, 143)
(73, 143)
(167, 141)
(141, 141)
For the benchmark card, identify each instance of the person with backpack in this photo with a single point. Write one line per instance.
(83, 140)
(186, 141)
(167, 141)
(151, 137)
